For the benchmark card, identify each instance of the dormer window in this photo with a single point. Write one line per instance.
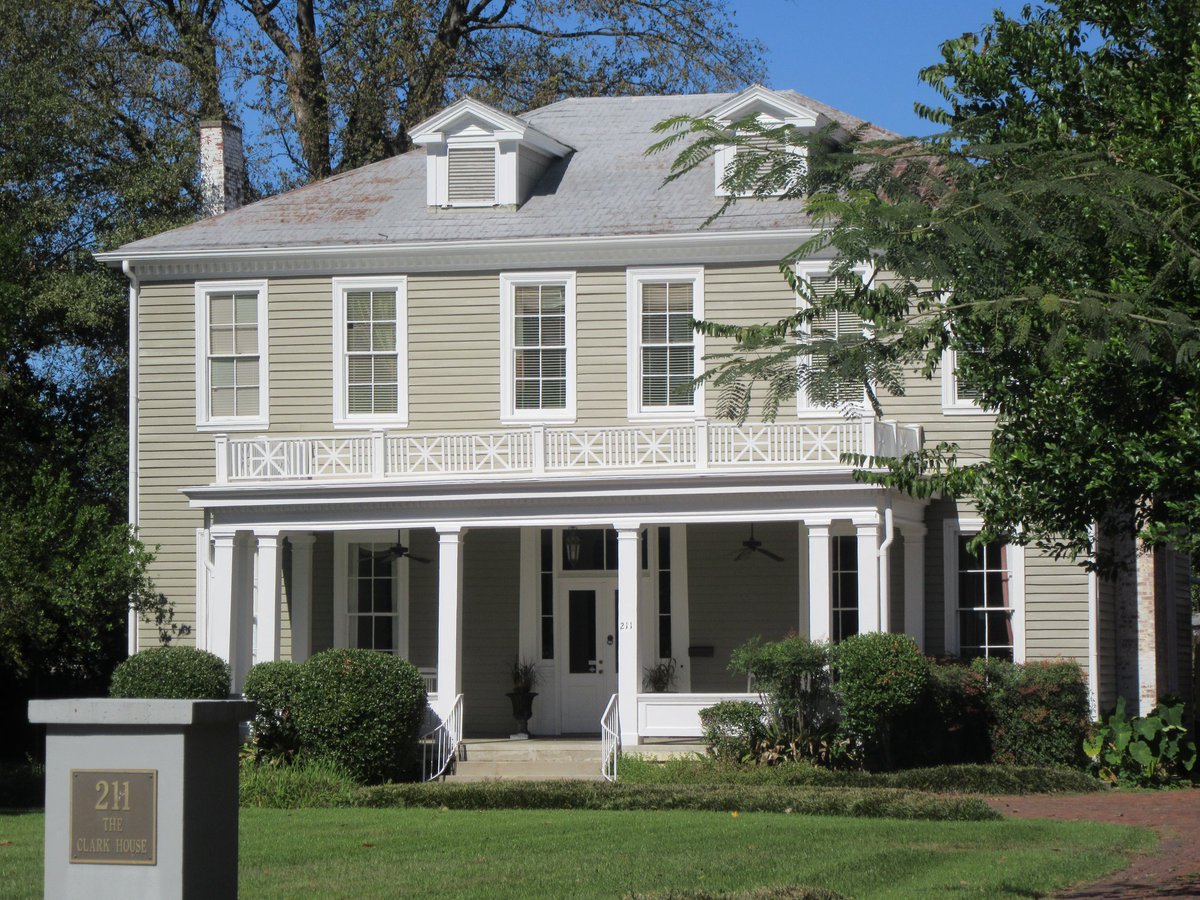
(478, 156)
(770, 109)
(471, 176)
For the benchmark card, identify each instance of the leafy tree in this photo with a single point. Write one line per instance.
(1048, 236)
(344, 80)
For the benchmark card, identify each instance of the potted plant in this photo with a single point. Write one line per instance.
(660, 677)
(524, 680)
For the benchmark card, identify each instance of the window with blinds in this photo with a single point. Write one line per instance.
(233, 354)
(540, 346)
(372, 357)
(667, 344)
(834, 325)
(471, 175)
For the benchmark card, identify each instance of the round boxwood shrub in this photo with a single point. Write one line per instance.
(273, 687)
(172, 673)
(361, 709)
(733, 729)
(880, 680)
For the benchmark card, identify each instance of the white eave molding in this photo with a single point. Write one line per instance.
(709, 247)
(502, 126)
(764, 101)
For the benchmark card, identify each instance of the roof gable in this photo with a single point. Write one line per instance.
(761, 101)
(471, 117)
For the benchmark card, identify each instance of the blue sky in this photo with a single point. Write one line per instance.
(862, 56)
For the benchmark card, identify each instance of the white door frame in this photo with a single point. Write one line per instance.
(586, 689)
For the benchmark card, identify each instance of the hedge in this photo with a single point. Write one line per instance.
(274, 686)
(598, 795)
(172, 673)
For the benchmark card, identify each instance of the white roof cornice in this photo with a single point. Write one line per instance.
(774, 103)
(503, 126)
(705, 247)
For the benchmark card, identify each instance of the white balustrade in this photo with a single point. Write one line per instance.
(691, 446)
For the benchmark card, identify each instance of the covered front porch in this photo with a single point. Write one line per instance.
(594, 584)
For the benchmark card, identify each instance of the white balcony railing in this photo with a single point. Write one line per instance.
(538, 450)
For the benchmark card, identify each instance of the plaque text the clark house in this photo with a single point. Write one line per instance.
(114, 816)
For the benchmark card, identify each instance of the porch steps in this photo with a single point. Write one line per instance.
(544, 759)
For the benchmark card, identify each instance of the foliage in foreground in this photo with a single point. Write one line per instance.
(1143, 751)
(172, 673)
(597, 795)
(358, 709)
(304, 784)
(960, 779)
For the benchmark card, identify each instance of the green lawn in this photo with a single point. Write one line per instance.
(554, 853)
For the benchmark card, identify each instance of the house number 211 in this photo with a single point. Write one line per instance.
(118, 796)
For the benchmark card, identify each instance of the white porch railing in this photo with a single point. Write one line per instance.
(439, 743)
(678, 715)
(610, 738)
(538, 451)
(429, 677)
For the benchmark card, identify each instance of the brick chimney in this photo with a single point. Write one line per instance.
(222, 166)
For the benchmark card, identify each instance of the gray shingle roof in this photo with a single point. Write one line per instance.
(607, 187)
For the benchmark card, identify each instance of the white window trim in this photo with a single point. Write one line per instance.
(804, 407)
(724, 156)
(342, 541)
(952, 404)
(204, 421)
(634, 278)
(951, 530)
(509, 414)
(342, 419)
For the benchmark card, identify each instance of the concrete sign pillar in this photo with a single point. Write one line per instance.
(141, 797)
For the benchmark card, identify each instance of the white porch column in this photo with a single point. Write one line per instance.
(300, 595)
(914, 582)
(868, 576)
(628, 672)
(267, 600)
(449, 659)
(820, 596)
(221, 621)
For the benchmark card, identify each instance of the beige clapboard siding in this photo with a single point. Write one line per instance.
(300, 318)
(729, 603)
(171, 453)
(454, 351)
(1056, 609)
(601, 356)
(491, 587)
(423, 598)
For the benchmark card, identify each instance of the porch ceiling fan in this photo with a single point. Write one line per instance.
(755, 546)
(398, 551)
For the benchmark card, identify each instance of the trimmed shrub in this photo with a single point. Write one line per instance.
(171, 673)
(305, 784)
(273, 687)
(967, 779)
(1038, 712)
(952, 725)
(880, 679)
(361, 709)
(812, 801)
(733, 729)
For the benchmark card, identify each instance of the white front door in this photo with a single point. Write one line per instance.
(589, 667)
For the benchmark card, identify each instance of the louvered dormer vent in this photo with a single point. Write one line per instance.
(471, 176)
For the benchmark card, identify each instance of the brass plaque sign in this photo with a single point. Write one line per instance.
(114, 816)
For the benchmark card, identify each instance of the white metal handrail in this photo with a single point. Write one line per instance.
(610, 737)
(439, 744)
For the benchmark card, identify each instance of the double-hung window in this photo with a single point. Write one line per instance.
(231, 355)
(538, 355)
(371, 592)
(832, 325)
(664, 349)
(370, 351)
(984, 596)
(958, 397)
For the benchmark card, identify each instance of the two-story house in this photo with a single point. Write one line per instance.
(441, 406)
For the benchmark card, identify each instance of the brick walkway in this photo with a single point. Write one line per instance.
(1173, 870)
